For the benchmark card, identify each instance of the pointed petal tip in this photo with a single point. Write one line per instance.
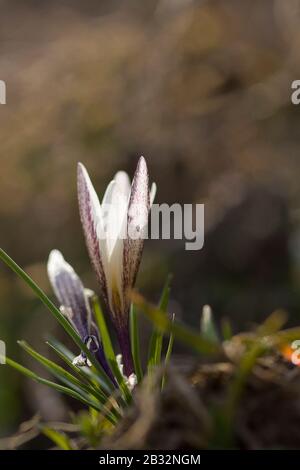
(55, 257)
(81, 170)
(55, 260)
(141, 169)
(56, 264)
(142, 161)
(122, 182)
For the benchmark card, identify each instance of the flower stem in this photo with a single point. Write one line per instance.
(125, 346)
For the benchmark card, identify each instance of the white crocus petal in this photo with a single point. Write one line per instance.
(106, 201)
(114, 210)
(153, 191)
(107, 218)
(115, 207)
(123, 183)
(120, 202)
(116, 202)
(92, 223)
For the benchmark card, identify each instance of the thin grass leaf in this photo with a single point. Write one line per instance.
(257, 344)
(84, 372)
(63, 375)
(60, 439)
(58, 371)
(245, 367)
(156, 340)
(77, 370)
(108, 349)
(273, 323)
(135, 344)
(168, 354)
(55, 312)
(270, 332)
(226, 329)
(89, 373)
(279, 339)
(285, 336)
(183, 333)
(59, 388)
(92, 380)
(236, 389)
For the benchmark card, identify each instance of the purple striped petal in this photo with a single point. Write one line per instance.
(74, 304)
(137, 221)
(70, 293)
(91, 220)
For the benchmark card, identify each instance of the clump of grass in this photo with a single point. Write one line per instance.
(105, 399)
(208, 398)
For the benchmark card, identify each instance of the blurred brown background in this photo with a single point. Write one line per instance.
(201, 89)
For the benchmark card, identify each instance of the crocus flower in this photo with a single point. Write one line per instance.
(114, 233)
(74, 304)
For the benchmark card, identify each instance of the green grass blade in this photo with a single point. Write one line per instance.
(85, 372)
(156, 340)
(108, 349)
(183, 333)
(68, 379)
(226, 329)
(59, 388)
(168, 354)
(59, 439)
(283, 337)
(55, 312)
(135, 344)
(64, 376)
(79, 371)
(272, 323)
(236, 388)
